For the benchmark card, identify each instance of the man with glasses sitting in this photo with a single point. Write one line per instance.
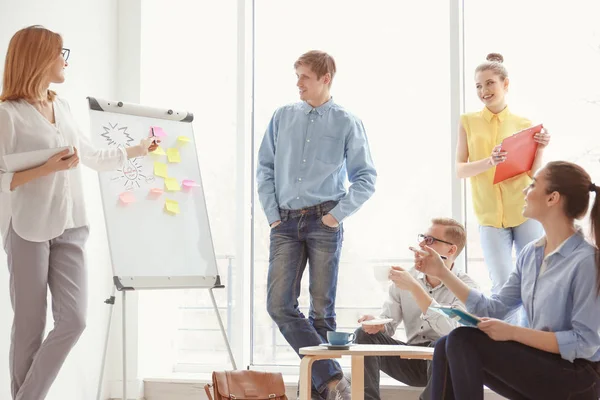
(410, 295)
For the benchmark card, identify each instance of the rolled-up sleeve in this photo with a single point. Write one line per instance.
(582, 341)
(392, 308)
(7, 134)
(441, 324)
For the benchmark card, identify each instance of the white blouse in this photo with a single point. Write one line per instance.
(42, 209)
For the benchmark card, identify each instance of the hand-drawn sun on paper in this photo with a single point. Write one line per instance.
(131, 174)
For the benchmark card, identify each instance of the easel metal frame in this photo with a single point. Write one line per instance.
(124, 289)
(124, 283)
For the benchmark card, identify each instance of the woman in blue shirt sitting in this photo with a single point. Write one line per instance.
(557, 280)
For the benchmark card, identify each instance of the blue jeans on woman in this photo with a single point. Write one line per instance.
(302, 237)
(497, 245)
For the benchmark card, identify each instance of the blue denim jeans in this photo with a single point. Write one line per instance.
(300, 237)
(497, 245)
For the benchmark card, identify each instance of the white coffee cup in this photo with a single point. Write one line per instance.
(382, 272)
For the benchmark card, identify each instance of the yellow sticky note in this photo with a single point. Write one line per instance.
(183, 139)
(171, 206)
(160, 169)
(158, 152)
(173, 155)
(172, 185)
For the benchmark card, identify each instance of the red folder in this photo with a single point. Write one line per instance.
(521, 149)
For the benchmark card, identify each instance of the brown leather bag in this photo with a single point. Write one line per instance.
(245, 384)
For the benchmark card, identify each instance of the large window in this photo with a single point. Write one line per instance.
(189, 63)
(393, 72)
(393, 62)
(553, 78)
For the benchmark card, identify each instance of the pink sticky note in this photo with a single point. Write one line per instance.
(156, 192)
(158, 131)
(127, 198)
(188, 183)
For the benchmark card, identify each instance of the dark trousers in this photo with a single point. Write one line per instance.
(467, 359)
(409, 372)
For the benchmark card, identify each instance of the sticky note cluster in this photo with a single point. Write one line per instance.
(161, 170)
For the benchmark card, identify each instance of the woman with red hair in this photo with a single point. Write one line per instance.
(42, 215)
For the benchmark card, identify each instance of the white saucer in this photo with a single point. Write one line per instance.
(377, 321)
(337, 346)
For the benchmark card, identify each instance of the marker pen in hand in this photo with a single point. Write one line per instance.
(425, 253)
(153, 135)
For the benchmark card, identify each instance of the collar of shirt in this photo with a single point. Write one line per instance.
(488, 115)
(565, 248)
(322, 109)
(421, 276)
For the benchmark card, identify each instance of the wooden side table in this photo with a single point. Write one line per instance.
(357, 353)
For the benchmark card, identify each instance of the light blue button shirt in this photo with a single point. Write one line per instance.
(564, 299)
(305, 157)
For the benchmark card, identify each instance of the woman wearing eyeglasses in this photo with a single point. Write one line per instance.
(42, 216)
(498, 207)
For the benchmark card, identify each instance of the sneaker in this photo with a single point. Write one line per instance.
(342, 391)
(313, 395)
(348, 377)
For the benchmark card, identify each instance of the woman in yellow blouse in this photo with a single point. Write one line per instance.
(498, 207)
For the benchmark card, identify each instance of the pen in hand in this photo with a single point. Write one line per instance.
(425, 253)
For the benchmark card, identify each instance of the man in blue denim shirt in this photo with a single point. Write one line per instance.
(308, 151)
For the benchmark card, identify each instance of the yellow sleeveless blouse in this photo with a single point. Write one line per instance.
(499, 205)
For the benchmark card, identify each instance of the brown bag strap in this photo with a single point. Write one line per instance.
(207, 389)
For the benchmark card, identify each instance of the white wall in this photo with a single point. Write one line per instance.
(89, 29)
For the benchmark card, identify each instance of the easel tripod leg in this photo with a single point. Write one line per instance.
(212, 297)
(124, 397)
(111, 302)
